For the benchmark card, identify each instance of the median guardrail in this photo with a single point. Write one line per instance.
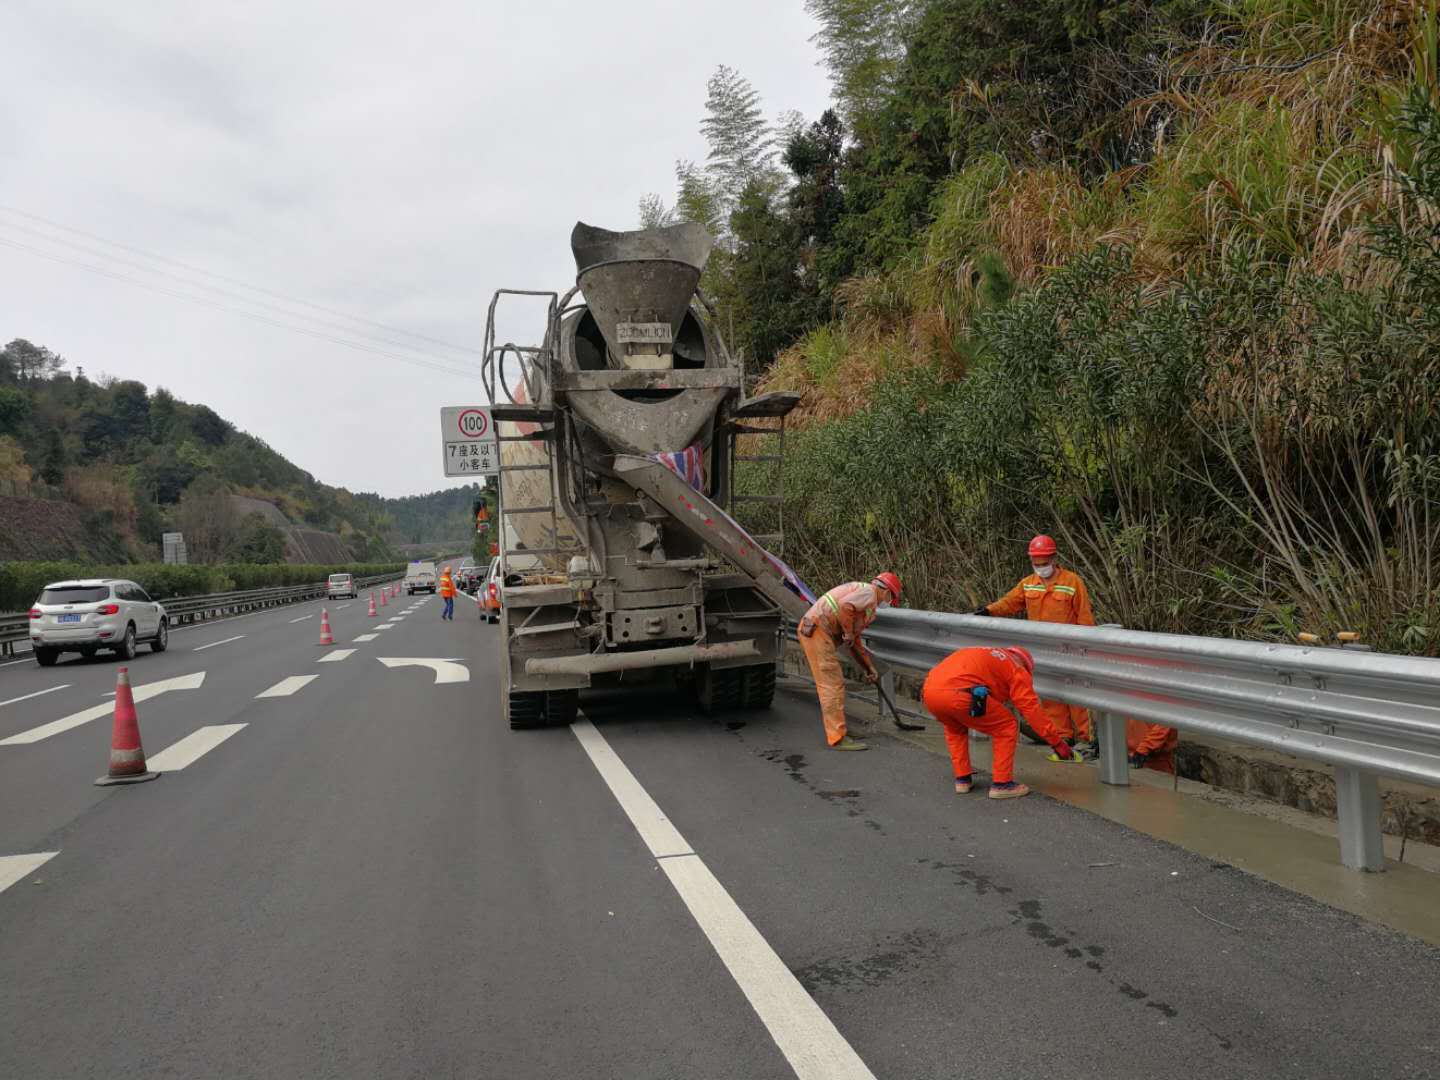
(183, 610)
(1365, 714)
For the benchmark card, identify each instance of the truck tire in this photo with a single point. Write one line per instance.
(561, 707)
(758, 686)
(525, 709)
(719, 691)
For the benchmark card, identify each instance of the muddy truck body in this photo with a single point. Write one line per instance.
(618, 439)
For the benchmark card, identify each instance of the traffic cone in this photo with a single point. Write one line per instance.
(127, 756)
(372, 605)
(383, 601)
(326, 638)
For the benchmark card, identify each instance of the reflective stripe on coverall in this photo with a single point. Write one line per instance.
(947, 696)
(1062, 599)
(837, 618)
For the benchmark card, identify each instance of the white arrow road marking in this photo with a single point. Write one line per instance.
(38, 693)
(15, 867)
(809, 1040)
(367, 637)
(287, 686)
(446, 671)
(335, 657)
(302, 618)
(191, 748)
(222, 641)
(141, 693)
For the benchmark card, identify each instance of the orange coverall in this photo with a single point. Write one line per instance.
(947, 696)
(447, 586)
(837, 618)
(1156, 741)
(1062, 599)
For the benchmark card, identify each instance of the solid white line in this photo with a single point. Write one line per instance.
(367, 637)
(191, 748)
(38, 693)
(800, 1028)
(287, 686)
(335, 657)
(222, 641)
(15, 867)
(302, 618)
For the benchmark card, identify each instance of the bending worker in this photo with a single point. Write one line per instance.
(839, 618)
(447, 593)
(970, 689)
(1055, 595)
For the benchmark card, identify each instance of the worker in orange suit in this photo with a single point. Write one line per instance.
(1055, 595)
(1151, 746)
(968, 690)
(447, 593)
(838, 619)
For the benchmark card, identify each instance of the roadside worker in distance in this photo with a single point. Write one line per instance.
(1055, 595)
(447, 593)
(839, 618)
(970, 689)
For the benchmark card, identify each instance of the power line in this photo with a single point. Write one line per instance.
(237, 281)
(433, 364)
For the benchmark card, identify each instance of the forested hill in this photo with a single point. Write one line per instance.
(103, 467)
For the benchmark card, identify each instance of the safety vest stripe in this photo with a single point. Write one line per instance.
(1034, 588)
(1067, 589)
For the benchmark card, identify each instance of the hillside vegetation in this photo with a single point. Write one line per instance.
(1161, 279)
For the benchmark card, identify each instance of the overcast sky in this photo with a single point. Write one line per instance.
(397, 162)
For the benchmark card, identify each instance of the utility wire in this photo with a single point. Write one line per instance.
(433, 364)
(237, 281)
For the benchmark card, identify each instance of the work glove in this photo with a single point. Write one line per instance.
(981, 611)
(1061, 752)
(1137, 761)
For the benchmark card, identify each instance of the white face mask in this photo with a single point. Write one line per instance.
(1047, 571)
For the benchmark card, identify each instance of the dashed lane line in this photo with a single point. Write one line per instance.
(287, 686)
(367, 637)
(809, 1040)
(38, 693)
(302, 618)
(14, 868)
(191, 748)
(222, 641)
(336, 656)
(342, 607)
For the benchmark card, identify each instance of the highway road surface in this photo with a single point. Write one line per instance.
(350, 868)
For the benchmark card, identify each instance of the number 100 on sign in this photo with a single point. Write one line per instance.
(468, 437)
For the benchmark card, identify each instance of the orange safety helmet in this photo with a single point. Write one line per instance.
(1042, 546)
(890, 582)
(1022, 657)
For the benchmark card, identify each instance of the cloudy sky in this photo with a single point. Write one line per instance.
(391, 162)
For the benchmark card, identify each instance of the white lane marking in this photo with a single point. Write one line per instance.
(12, 663)
(287, 686)
(222, 641)
(191, 748)
(446, 671)
(386, 626)
(38, 693)
(342, 607)
(140, 693)
(302, 618)
(15, 867)
(335, 657)
(800, 1028)
(367, 637)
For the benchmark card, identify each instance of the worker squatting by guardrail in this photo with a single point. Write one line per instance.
(1365, 714)
(181, 610)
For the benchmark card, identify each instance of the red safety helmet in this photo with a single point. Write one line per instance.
(1022, 657)
(889, 581)
(1042, 546)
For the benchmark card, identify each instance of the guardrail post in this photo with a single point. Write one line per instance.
(1357, 804)
(1114, 759)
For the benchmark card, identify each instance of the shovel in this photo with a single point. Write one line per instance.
(901, 723)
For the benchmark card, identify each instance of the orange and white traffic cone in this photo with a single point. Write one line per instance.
(383, 601)
(372, 605)
(326, 638)
(127, 756)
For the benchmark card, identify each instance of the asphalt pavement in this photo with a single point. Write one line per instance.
(367, 874)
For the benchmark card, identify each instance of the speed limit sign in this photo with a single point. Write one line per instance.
(468, 436)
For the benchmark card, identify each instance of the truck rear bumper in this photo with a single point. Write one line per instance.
(681, 655)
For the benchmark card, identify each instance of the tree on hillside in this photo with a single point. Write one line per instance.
(14, 408)
(863, 42)
(741, 144)
(24, 362)
(208, 518)
(53, 458)
(257, 541)
(654, 214)
(14, 473)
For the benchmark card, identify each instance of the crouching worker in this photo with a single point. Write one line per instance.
(839, 618)
(1151, 746)
(968, 690)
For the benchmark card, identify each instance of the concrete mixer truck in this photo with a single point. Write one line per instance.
(619, 437)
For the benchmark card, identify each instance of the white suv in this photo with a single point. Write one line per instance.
(98, 613)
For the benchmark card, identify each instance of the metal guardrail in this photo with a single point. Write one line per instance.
(1365, 714)
(183, 610)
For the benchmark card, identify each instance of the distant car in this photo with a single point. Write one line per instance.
(420, 577)
(338, 586)
(488, 593)
(93, 614)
